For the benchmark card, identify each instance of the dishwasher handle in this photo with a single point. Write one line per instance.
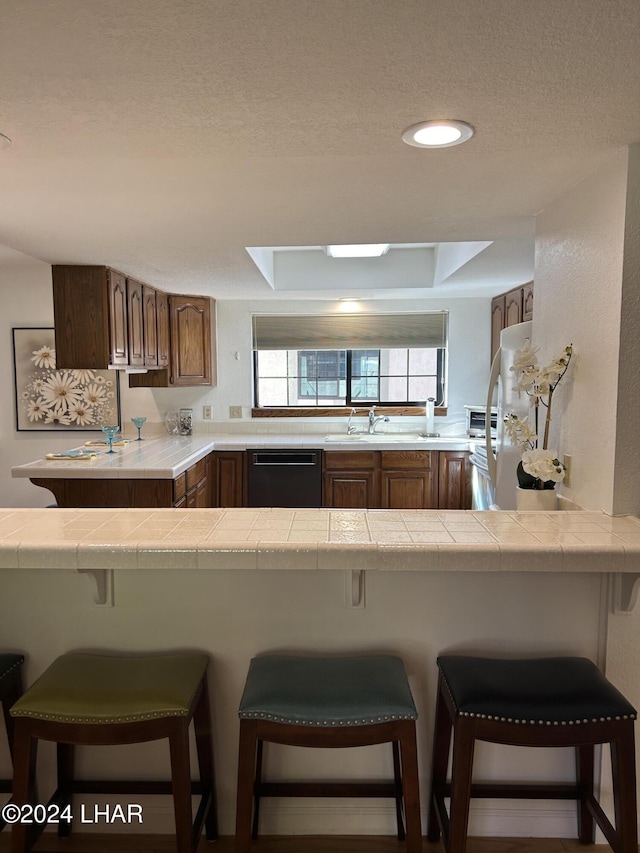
(284, 458)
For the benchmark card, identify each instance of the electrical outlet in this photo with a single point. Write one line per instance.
(567, 473)
(235, 411)
(206, 413)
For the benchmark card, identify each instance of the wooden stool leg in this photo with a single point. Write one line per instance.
(65, 752)
(397, 781)
(461, 772)
(12, 691)
(410, 785)
(584, 776)
(204, 747)
(24, 763)
(246, 770)
(440, 761)
(181, 783)
(623, 765)
(256, 790)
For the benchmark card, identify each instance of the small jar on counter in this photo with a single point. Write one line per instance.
(186, 421)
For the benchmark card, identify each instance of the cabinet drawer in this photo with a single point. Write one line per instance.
(196, 473)
(400, 460)
(179, 487)
(348, 460)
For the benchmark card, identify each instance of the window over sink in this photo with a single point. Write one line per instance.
(332, 361)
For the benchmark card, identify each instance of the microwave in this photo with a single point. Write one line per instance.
(477, 421)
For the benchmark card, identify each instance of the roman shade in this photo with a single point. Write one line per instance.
(349, 331)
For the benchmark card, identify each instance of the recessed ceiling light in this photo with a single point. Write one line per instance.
(5, 142)
(437, 133)
(361, 250)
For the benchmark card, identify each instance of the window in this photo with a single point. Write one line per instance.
(330, 373)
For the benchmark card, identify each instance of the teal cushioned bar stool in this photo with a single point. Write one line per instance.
(10, 690)
(555, 701)
(327, 702)
(91, 699)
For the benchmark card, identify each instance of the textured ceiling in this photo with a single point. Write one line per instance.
(162, 137)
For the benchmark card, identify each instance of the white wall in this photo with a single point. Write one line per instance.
(578, 293)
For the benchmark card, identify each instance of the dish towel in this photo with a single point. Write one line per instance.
(73, 454)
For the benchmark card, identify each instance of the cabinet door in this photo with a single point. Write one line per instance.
(190, 340)
(135, 323)
(351, 489)
(454, 487)
(150, 326)
(527, 301)
(408, 479)
(162, 316)
(227, 478)
(119, 333)
(497, 323)
(513, 307)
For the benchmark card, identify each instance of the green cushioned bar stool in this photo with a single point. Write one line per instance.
(90, 699)
(556, 701)
(327, 702)
(10, 690)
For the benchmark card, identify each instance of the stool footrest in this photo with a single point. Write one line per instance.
(125, 786)
(521, 791)
(325, 789)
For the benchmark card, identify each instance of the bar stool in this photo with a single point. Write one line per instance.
(89, 699)
(10, 690)
(327, 702)
(559, 701)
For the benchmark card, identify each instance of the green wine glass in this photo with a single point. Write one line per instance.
(137, 422)
(110, 432)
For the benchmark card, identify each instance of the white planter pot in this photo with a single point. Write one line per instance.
(544, 500)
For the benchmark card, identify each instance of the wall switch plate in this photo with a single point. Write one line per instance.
(235, 411)
(567, 473)
(206, 413)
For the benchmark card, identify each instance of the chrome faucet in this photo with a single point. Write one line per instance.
(374, 421)
(351, 429)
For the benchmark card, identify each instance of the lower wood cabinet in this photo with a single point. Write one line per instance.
(351, 479)
(397, 479)
(227, 478)
(191, 489)
(454, 480)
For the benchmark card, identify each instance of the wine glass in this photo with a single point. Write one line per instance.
(138, 425)
(110, 432)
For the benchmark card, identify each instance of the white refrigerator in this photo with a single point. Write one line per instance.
(502, 462)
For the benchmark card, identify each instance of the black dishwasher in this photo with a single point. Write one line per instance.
(291, 478)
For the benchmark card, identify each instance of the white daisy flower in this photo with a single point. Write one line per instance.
(81, 414)
(61, 391)
(94, 394)
(84, 376)
(44, 357)
(36, 410)
(57, 417)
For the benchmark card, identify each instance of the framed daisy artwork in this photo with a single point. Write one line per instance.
(51, 399)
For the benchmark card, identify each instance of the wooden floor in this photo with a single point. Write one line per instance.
(95, 843)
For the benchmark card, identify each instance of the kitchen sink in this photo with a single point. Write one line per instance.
(393, 437)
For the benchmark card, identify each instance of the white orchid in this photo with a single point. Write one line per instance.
(543, 465)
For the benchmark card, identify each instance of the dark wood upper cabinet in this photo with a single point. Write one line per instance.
(135, 323)
(150, 326)
(163, 328)
(190, 318)
(117, 319)
(507, 309)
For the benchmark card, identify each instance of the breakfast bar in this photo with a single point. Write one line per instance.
(240, 582)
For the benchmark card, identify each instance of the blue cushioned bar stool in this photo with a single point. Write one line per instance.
(327, 702)
(91, 699)
(557, 701)
(10, 690)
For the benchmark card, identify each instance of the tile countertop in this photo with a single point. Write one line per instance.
(167, 458)
(309, 539)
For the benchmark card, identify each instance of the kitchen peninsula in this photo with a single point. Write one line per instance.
(389, 470)
(240, 582)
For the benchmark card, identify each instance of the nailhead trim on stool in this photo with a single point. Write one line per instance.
(555, 701)
(327, 702)
(87, 699)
